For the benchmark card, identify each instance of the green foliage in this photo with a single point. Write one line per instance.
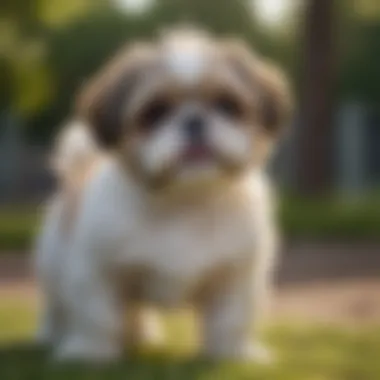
(331, 219)
(358, 47)
(221, 16)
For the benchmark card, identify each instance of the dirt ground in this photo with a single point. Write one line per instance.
(315, 282)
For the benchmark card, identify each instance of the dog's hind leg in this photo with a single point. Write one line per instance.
(51, 322)
(48, 265)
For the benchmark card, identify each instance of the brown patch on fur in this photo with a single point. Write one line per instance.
(102, 100)
(213, 283)
(267, 81)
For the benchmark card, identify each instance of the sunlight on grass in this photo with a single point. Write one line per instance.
(17, 320)
(303, 353)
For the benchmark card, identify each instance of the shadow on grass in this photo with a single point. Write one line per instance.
(26, 361)
(303, 353)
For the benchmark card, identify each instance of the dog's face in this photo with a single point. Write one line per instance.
(188, 108)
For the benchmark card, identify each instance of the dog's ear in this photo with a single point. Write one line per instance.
(103, 101)
(275, 104)
(270, 87)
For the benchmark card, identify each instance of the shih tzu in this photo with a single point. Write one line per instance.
(163, 199)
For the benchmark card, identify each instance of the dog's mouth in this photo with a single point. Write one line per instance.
(197, 153)
(197, 163)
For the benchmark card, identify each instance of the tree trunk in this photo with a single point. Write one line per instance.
(314, 158)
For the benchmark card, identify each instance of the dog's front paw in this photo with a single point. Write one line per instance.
(257, 353)
(247, 352)
(86, 350)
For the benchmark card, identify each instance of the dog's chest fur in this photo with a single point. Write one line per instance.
(171, 250)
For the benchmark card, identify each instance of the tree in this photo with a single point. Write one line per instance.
(315, 135)
(25, 27)
(359, 51)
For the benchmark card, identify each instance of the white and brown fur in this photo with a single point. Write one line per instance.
(137, 222)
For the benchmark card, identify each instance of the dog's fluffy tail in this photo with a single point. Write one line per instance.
(75, 154)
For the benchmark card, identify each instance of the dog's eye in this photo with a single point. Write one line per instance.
(154, 113)
(228, 106)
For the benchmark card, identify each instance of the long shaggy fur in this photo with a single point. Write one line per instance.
(113, 243)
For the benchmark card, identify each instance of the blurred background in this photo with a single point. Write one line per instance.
(329, 163)
(327, 168)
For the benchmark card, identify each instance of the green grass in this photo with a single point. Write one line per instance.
(304, 353)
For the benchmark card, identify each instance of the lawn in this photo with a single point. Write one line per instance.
(304, 353)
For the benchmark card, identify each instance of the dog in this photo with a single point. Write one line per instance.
(163, 199)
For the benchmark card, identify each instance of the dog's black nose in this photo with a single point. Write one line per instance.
(194, 127)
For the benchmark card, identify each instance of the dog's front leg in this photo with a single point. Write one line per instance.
(94, 315)
(231, 316)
